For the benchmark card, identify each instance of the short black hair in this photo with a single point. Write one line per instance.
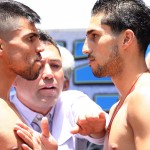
(126, 14)
(44, 36)
(10, 10)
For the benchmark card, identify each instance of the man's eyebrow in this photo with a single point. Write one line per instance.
(55, 60)
(89, 32)
(35, 34)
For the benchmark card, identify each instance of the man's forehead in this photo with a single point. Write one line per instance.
(96, 19)
(95, 23)
(21, 23)
(51, 52)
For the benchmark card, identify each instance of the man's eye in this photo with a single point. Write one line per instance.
(30, 38)
(55, 66)
(94, 36)
(33, 37)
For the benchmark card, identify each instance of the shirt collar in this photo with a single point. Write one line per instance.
(25, 112)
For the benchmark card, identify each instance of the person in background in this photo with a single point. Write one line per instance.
(20, 49)
(117, 38)
(68, 65)
(44, 97)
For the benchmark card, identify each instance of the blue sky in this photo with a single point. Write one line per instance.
(63, 14)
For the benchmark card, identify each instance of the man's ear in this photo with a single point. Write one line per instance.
(128, 38)
(66, 84)
(14, 83)
(1, 47)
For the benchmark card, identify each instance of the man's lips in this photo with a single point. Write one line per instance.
(91, 59)
(48, 90)
(48, 87)
(39, 58)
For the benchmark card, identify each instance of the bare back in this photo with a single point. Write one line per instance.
(130, 128)
(8, 138)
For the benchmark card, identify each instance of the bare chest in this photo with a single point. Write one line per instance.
(121, 136)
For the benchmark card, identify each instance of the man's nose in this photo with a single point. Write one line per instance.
(47, 72)
(40, 46)
(85, 49)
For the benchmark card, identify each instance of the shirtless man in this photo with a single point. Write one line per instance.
(20, 49)
(117, 38)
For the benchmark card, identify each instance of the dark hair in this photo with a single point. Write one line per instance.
(44, 36)
(10, 10)
(126, 14)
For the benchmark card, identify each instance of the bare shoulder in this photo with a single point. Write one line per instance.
(141, 93)
(138, 103)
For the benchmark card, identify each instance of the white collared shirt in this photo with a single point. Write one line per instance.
(27, 114)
